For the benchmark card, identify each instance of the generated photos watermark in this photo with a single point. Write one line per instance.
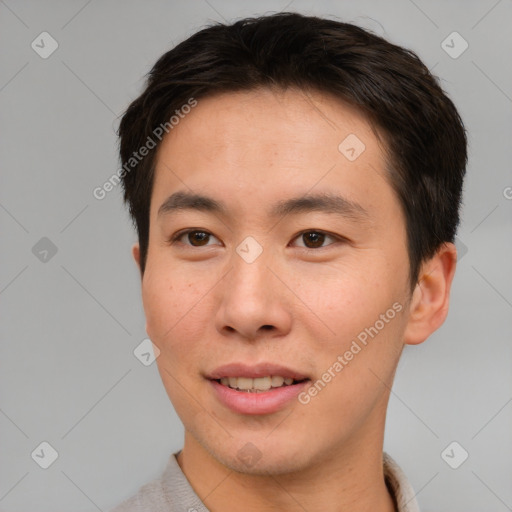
(361, 341)
(137, 156)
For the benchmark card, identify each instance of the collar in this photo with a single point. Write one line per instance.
(399, 486)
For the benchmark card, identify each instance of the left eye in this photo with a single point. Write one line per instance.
(314, 238)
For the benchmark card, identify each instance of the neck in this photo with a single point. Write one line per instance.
(348, 478)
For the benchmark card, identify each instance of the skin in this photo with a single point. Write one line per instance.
(206, 306)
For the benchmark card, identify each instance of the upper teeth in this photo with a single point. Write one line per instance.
(259, 383)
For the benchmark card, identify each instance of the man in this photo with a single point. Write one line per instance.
(295, 183)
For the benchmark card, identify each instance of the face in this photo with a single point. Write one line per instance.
(295, 265)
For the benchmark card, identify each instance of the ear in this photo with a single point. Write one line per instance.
(136, 254)
(136, 257)
(431, 297)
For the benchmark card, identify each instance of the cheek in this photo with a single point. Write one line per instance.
(169, 302)
(358, 303)
(160, 305)
(347, 294)
(178, 309)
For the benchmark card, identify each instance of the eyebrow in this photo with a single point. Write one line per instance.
(320, 202)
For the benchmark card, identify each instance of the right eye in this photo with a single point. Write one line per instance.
(196, 237)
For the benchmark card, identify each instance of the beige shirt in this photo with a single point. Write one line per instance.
(173, 493)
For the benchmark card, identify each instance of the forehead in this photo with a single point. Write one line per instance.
(262, 145)
(269, 118)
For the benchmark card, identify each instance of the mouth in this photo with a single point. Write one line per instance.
(258, 384)
(263, 388)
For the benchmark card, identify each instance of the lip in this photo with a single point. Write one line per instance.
(262, 369)
(264, 402)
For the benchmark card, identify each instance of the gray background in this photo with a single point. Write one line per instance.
(72, 320)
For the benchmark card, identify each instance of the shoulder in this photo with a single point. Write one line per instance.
(150, 496)
(169, 493)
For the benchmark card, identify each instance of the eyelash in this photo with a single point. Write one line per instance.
(175, 238)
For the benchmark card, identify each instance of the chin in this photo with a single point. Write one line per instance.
(261, 457)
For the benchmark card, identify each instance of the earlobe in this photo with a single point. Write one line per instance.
(431, 297)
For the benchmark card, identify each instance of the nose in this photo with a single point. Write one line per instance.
(253, 301)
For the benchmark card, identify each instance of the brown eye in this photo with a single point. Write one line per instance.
(193, 237)
(198, 238)
(314, 239)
